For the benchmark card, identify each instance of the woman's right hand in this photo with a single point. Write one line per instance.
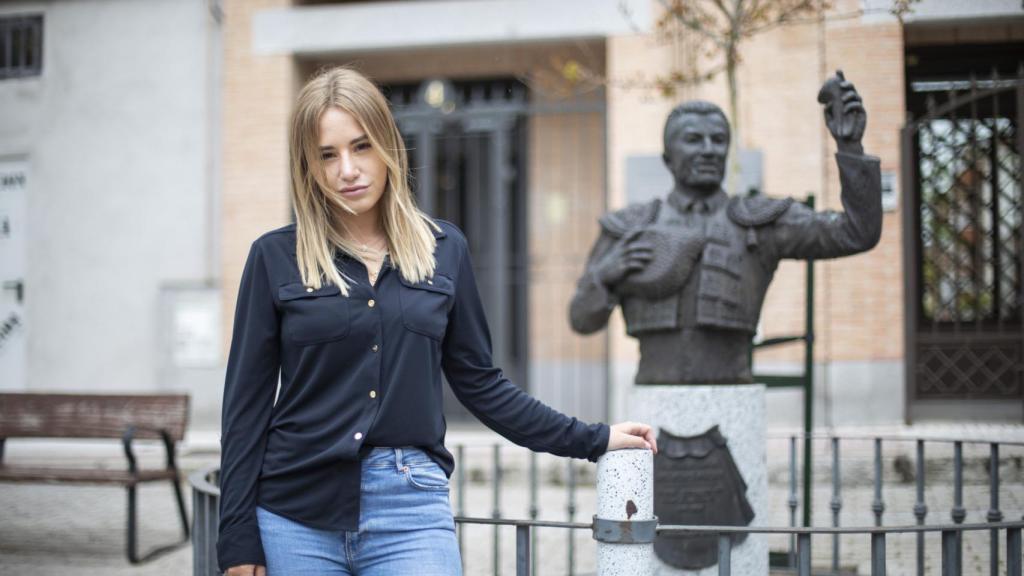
(247, 570)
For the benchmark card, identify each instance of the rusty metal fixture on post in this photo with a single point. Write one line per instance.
(625, 531)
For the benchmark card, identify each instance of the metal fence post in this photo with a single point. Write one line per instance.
(994, 514)
(534, 510)
(959, 513)
(625, 495)
(878, 554)
(920, 508)
(523, 550)
(878, 505)
(570, 508)
(460, 494)
(1013, 552)
(496, 512)
(792, 502)
(951, 553)
(803, 554)
(725, 554)
(836, 503)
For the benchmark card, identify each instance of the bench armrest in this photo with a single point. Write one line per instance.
(129, 436)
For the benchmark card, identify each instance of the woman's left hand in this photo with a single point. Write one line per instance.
(631, 435)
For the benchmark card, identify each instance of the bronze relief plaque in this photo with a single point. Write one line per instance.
(696, 482)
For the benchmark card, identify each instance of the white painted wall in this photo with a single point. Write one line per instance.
(943, 10)
(116, 132)
(355, 27)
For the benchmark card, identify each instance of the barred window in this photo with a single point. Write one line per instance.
(21, 46)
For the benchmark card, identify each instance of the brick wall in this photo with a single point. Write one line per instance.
(859, 303)
(258, 94)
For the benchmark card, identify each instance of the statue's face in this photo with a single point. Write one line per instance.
(696, 149)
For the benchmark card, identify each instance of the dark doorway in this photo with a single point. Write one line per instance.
(467, 144)
(964, 213)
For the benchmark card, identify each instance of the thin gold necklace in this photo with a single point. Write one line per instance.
(380, 247)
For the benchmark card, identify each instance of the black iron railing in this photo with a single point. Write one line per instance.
(957, 511)
(206, 494)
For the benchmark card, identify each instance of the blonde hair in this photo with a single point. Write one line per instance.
(319, 232)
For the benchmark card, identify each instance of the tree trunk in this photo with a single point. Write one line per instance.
(733, 178)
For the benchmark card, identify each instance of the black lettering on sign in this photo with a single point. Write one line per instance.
(7, 328)
(12, 180)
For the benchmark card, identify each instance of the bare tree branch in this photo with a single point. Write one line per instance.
(691, 17)
(719, 28)
(720, 4)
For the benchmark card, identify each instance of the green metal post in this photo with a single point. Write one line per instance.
(809, 383)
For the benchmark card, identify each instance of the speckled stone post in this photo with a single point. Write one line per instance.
(625, 491)
(739, 413)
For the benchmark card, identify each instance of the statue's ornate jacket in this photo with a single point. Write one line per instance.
(724, 252)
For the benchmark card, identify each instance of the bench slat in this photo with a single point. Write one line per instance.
(25, 415)
(79, 475)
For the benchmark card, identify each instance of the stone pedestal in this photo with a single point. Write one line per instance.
(739, 413)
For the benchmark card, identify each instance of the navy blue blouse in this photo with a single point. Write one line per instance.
(355, 373)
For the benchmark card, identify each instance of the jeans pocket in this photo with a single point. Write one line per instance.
(426, 477)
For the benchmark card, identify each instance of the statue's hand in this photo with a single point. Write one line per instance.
(630, 254)
(844, 113)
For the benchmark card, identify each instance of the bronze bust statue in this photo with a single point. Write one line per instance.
(691, 271)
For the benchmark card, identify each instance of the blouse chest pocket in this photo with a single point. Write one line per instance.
(313, 316)
(425, 305)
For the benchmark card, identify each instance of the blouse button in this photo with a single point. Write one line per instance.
(371, 303)
(373, 393)
(431, 282)
(358, 436)
(375, 348)
(309, 288)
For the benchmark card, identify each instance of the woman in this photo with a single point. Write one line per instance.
(359, 306)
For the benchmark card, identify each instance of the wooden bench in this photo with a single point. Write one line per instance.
(127, 417)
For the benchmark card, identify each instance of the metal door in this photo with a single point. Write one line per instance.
(964, 214)
(466, 145)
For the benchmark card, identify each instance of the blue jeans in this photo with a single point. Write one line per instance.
(405, 526)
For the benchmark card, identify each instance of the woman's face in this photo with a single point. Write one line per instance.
(354, 170)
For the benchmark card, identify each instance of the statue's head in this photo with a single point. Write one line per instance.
(696, 145)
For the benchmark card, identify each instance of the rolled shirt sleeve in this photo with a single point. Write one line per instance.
(249, 388)
(493, 398)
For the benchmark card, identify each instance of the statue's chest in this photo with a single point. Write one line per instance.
(725, 251)
(725, 242)
(723, 270)
(720, 293)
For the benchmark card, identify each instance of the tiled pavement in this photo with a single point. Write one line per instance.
(80, 530)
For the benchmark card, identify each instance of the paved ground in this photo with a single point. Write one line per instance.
(59, 530)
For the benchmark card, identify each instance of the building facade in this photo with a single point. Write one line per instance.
(150, 150)
(109, 255)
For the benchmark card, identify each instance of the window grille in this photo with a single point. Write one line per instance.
(21, 46)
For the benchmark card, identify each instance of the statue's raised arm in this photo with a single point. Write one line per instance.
(690, 271)
(802, 233)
